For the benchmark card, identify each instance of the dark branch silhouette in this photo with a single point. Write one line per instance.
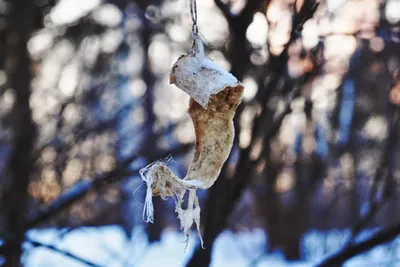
(381, 237)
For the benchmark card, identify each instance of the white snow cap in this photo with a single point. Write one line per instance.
(199, 76)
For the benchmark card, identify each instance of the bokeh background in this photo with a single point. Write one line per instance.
(85, 103)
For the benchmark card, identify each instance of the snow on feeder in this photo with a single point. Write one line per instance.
(214, 96)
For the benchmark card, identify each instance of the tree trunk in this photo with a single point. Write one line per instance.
(15, 196)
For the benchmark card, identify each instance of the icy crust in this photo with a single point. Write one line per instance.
(199, 76)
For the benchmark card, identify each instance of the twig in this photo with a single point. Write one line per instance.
(62, 252)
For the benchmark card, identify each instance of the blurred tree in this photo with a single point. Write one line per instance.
(17, 66)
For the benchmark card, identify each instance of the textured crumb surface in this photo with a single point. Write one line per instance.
(214, 134)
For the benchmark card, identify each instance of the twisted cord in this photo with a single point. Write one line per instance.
(193, 14)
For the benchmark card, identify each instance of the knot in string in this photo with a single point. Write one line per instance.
(193, 14)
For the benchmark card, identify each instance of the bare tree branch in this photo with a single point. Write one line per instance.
(63, 252)
(381, 175)
(82, 188)
(380, 238)
(219, 205)
(76, 193)
(224, 8)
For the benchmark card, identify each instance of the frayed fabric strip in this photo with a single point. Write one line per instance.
(164, 183)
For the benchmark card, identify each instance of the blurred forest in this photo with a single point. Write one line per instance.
(85, 103)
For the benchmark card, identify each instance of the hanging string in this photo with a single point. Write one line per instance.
(193, 14)
(195, 28)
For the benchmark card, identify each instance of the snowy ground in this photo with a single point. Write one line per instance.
(108, 246)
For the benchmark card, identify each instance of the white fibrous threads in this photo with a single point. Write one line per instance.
(215, 95)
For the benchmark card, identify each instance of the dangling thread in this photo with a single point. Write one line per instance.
(195, 29)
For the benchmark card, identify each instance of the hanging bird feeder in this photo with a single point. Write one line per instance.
(214, 96)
